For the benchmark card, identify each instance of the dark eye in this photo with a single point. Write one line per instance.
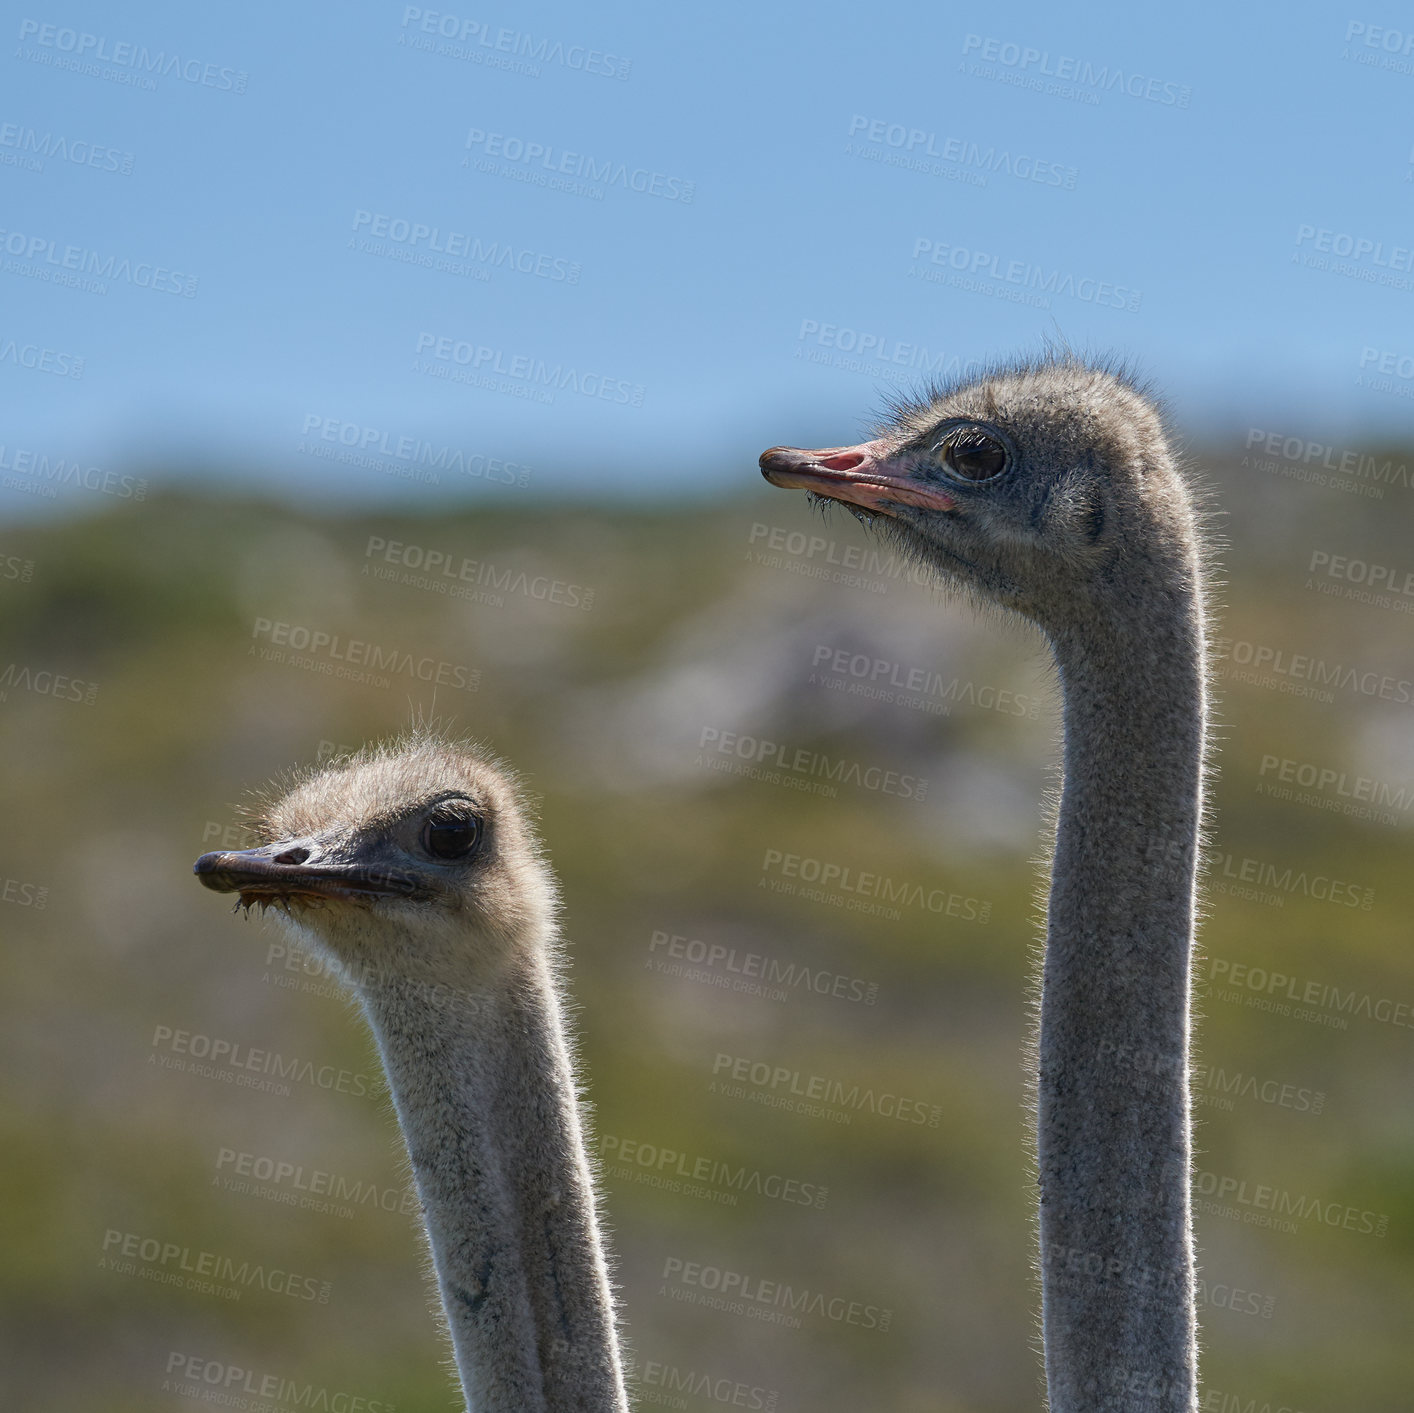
(974, 456)
(451, 836)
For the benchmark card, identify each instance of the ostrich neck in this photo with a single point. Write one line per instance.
(485, 1096)
(1113, 1113)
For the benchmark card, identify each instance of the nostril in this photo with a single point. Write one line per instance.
(846, 461)
(293, 856)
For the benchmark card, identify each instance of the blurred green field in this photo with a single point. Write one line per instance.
(154, 665)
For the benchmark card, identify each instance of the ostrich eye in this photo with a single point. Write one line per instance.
(451, 836)
(974, 456)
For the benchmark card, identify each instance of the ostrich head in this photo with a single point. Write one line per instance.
(409, 860)
(1045, 488)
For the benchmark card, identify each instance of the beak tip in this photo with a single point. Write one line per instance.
(777, 462)
(208, 869)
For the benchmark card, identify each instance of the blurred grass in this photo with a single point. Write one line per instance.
(603, 709)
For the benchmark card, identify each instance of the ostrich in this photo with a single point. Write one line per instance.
(1048, 489)
(412, 867)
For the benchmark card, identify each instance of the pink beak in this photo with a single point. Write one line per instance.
(854, 474)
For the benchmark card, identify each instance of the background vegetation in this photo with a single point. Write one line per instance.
(687, 621)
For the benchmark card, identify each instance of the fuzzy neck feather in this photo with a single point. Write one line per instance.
(1114, 1141)
(485, 1095)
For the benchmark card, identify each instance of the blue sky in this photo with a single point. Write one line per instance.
(675, 236)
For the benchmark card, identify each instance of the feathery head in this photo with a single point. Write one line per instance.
(413, 857)
(1046, 487)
